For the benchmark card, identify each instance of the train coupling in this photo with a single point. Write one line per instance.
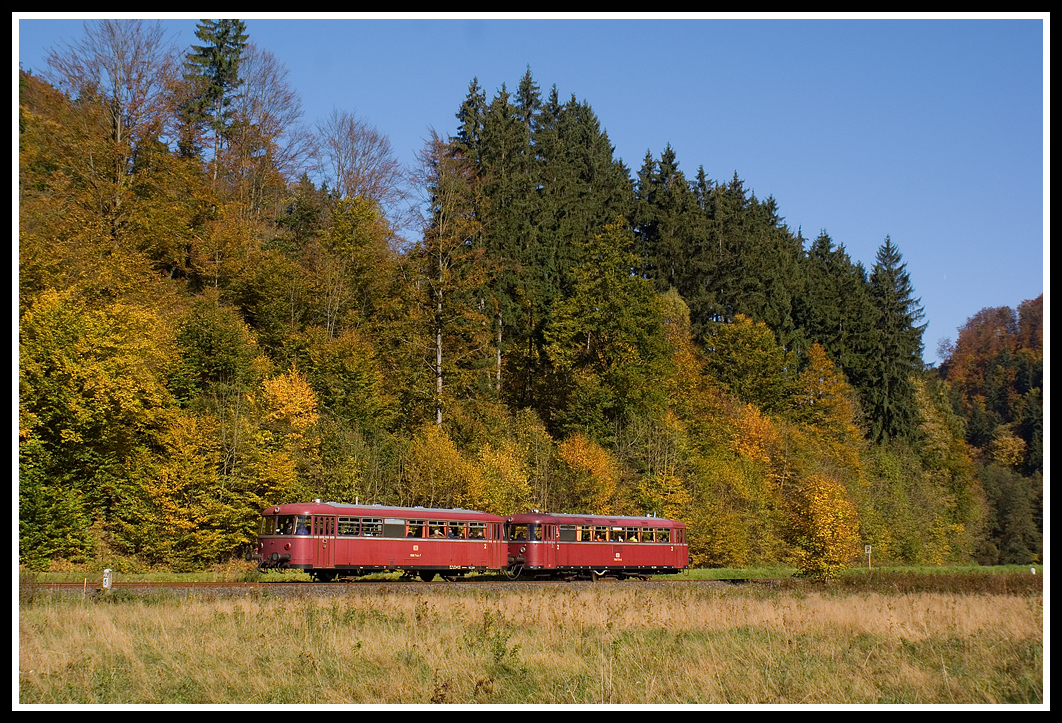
(276, 560)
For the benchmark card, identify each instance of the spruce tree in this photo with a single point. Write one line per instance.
(549, 183)
(896, 353)
(470, 127)
(836, 309)
(508, 181)
(667, 225)
(213, 71)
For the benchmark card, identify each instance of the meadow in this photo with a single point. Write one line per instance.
(792, 642)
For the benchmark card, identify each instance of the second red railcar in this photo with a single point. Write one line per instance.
(594, 546)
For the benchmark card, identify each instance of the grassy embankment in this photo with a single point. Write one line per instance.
(884, 638)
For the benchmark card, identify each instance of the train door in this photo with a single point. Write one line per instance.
(549, 543)
(496, 545)
(324, 540)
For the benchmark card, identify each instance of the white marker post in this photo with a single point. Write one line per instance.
(866, 549)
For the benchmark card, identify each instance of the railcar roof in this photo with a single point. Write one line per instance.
(568, 518)
(304, 508)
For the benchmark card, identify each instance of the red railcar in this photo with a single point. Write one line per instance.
(594, 546)
(330, 540)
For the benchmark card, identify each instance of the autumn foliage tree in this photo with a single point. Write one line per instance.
(591, 476)
(824, 527)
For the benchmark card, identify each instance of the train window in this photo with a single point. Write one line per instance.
(569, 533)
(371, 527)
(349, 526)
(517, 532)
(457, 530)
(437, 528)
(415, 528)
(663, 534)
(321, 526)
(394, 527)
(285, 525)
(630, 534)
(477, 530)
(600, 533)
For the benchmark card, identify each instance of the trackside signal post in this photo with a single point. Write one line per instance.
(866, 549)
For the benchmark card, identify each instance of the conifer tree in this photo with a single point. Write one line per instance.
(836, 311)
(606, 340)
(549, 182)
(213, 70)
(896, 354)
(669, 227)
(470, 127)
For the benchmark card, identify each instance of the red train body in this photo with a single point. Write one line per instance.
(330, 540)
(593, 546)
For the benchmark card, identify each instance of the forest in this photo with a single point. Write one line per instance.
(221, 308)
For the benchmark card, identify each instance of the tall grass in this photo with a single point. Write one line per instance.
(609, 643)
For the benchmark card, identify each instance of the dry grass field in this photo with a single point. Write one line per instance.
(621, 643)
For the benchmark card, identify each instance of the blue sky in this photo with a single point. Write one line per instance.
(931, 131)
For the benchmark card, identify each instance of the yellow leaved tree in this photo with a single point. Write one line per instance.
(825, 527)
(503, 486)
(435, 473)
(590, 476)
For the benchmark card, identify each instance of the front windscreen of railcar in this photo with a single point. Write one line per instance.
(284, 525)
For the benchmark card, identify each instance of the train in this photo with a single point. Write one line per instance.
(331, 540)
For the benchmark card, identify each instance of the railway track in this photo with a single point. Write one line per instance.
(329, 589)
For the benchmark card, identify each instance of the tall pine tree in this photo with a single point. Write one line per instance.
(836, 310)
(213, 72)
(896, 353)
